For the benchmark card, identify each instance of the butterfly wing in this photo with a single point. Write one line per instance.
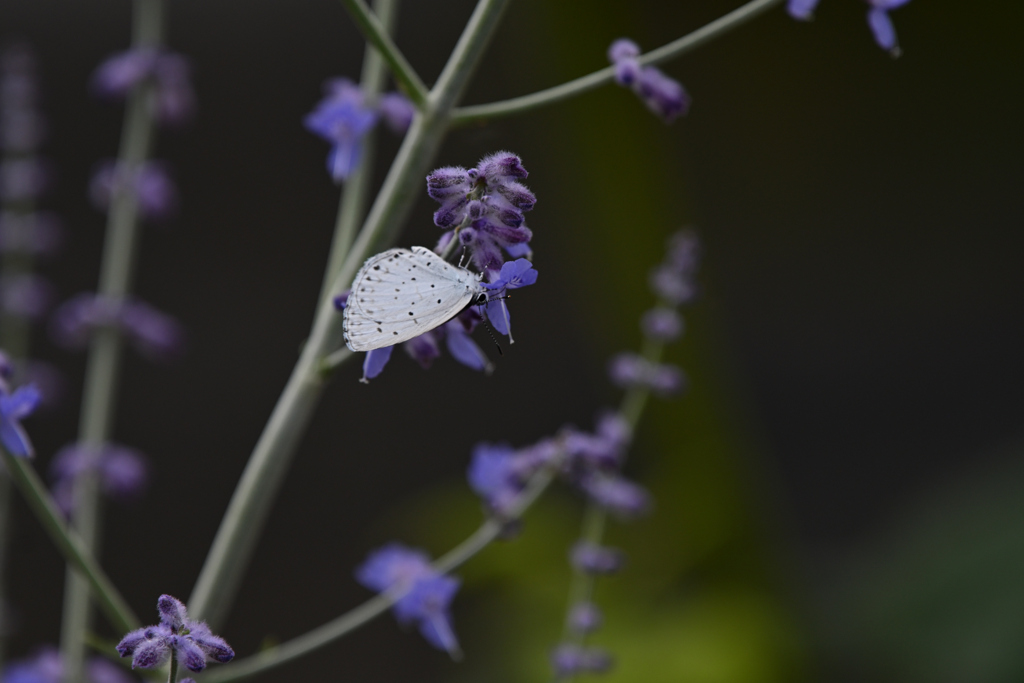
(400, 294)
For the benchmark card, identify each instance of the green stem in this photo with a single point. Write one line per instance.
(68, 543)
(676, 48)
(274, 657)
(352, 209)
(103, 365)
(247, 512)
(172, 674)
(375, 33)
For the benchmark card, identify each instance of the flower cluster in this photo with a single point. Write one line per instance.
(588, 461)
(483, 207)
(423, 596)
(151, 183)
(14, 407)
(153, 333)
(663, 95)
(345, 115)
(878, 19)
(121, 471)
(174, 99)
(46, 667)
(191, 642)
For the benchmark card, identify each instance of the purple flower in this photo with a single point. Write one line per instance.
(662, 324)
(156, 193)
(14, 407)
(426, 347)
(21, 126)
(585, 617)
(424, 595)
(25, 296)
(590, 558)
(569, 659)
(802, 9)
(881, 25)
(495, 476)
(39, 234)
(174, 96)
(342, 118)
(617, 495)
(664, 96)
(629, 370)
(122, 472)
(191, 642)
(153, 333)
(397, 111)
(513, 275)
(485, 205)
(23, 180)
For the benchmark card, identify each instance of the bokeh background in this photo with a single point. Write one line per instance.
(840, 495)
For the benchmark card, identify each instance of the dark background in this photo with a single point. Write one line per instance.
(839, 495)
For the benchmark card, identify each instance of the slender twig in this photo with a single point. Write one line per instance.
(69, 544)
(374, 31)
(485, 534)
(247, 512)
(680, 46)
(352, 208)
(102, 369)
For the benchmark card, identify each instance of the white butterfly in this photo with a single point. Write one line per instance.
(400, 294)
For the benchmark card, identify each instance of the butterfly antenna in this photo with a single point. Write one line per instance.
(490, 333)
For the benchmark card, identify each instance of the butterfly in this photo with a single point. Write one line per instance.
(400, 294)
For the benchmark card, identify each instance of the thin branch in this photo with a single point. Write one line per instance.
(676, 48)
(378, 36)
(485, 534)
(69, 544)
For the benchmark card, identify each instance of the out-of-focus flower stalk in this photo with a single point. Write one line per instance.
(102, 369)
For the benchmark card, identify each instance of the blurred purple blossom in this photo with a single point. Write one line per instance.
(569, 659)
(22, 128)
(122, 472)
(617, 495)
(802, 9)
(153, 333)
(590, 558)
(662, 324)
(345, 115)
(155, 191)
(585, 617)
(628, 370)
(46, 667)
(664, 96)
(486, 204)
(174, 98)
(191, 642)
(23, 180)
(39, 233)
(878, 19)
(14, 407)
(424, 596)
(25, 296)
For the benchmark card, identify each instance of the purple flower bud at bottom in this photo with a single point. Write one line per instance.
(594, 559)
(662, 324)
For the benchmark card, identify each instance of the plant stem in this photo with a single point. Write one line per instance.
(68, 543)
(352, 209)
(375, 33)
(172, 674)
(676, 48)
(103, 366)
(313, 640)
(243, 521)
